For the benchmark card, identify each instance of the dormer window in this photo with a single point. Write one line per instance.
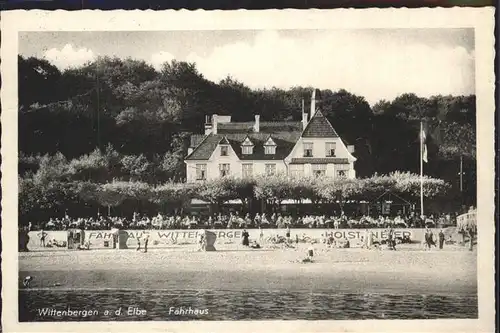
(270, 150)
(224, 147)
(247, 147)
(270, 147)
(224, 150)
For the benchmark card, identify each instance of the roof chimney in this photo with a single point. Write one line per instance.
(208, 125)
(256, 126)
(304, 120)
(304, 116)
(313, 103)
(214, 123)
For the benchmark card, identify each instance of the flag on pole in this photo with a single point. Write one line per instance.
(423, 139)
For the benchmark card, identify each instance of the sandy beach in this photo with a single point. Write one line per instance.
(407, 271)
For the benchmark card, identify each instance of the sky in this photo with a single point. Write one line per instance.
(374, 63)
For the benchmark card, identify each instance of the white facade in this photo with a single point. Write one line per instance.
(230, 163)
(321, 147)
(218, 163)
(311, 155)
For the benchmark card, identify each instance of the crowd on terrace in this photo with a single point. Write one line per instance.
(233, 220)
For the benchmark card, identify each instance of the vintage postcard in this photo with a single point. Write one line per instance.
(296, 170)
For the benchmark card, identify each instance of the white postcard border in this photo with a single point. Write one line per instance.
(481, 19)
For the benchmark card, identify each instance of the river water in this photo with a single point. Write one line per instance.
(167, 305)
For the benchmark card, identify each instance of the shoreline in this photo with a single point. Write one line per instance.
(337, 270)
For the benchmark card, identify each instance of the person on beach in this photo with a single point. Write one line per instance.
(441, 239)
(310, 251)
(245, 236)
(391, 242)
(255, 245)
(288, 234)
(138, 244)
(146, 240)
(201, 240)
(309, 254)
(367, 239)
(261, 234)
(429, 238)
(42, 236)
(471, 232)
(27, 281)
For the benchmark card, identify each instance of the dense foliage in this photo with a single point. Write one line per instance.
(39, 198)
(121, 120)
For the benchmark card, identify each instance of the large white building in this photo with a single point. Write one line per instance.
(246, 149)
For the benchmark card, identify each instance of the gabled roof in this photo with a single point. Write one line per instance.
(319, 127)
(247, 142)
(285, 141)
(196, 139)
(270, 141)
(264, 127)
(223, 141)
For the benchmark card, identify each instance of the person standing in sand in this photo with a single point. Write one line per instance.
(288, 234)
(42, 236)
(471, 233)
(201, 240)
(429, 238)
(310, 251)
(146, 240)
(245, 236)
(138, 244)
(441, 239)
(367, 239)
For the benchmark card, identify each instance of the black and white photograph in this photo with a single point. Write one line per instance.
(261, 173)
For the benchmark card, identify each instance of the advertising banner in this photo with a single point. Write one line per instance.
(102, 239)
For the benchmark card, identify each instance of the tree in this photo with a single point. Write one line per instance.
(273, 189)
(176, 195)
(137, 167)
(341, 190)
(52, 168)
(115, 193)
(90, 167)
(34, 75)
(216, 191)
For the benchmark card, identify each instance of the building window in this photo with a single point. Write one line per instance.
(270, 150)
(247, 170)
(319, 170)
(247, 150)
(341, 173)
(308, 149)
(224, 150)
(330, 149)
(270, 169)
(224, 169)
(297, 170)
(201, 171)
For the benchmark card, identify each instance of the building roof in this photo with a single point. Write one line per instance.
(196, 139)
(323, 160)
(319, 127)
(224, 141)
(269, 127)
(285, 141)
(284, 133)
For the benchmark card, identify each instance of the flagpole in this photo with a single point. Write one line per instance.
(421, 170)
